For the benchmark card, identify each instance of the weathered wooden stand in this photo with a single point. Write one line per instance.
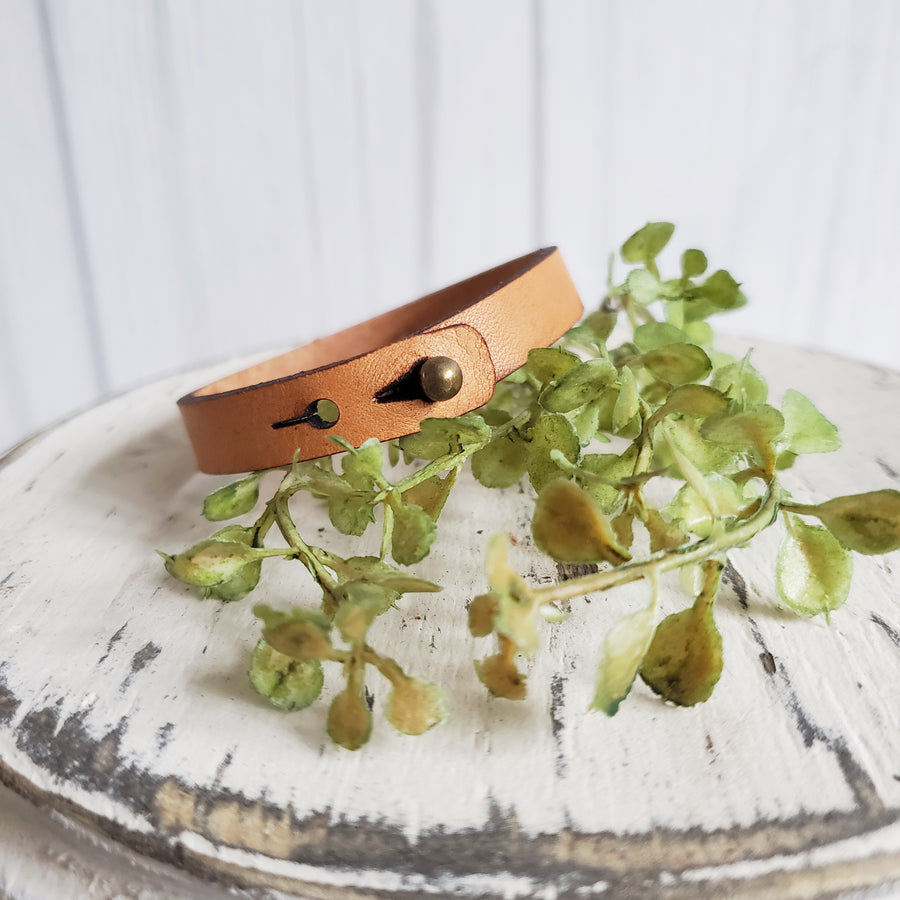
(125, 707)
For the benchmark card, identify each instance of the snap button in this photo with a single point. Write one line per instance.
(440, 378)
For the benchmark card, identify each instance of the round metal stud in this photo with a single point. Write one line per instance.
(440, 377)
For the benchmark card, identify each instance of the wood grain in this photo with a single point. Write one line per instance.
(125, 703)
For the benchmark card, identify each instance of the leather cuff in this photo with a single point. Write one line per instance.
(438, 356)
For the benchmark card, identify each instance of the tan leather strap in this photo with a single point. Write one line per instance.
(258, 418)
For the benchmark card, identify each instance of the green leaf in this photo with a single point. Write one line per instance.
(693, 263)
(647, 242)
(627, 403)
(867, 523)
(552, 432)
(586, 422)
(414, 533)
(376, 571)
(437, 437)
(684, 661)
(579, 385)
(753, 427)
(624, 649)
(643, 286)
(657, 334)
(362, 466)
(721, 291)
(695, 400)
(414, 707)
(691, 510)
(239, 585)
(210, 562)
(601, 323)
(502, 462)
(351, 512)
(360, 603)
(705, 455)
(548, 364)
(287, 683)
(349, 719)
(612, 469)
(700, 333)
(741, 382)
(234, 499)
(806, 430)
(299, 633)
(482, 611)
(432, 493)
(813, 571)
(664, 535)
(498, 673)
(567, 526)
(677, 363)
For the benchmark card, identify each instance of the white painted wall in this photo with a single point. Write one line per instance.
(184, 180)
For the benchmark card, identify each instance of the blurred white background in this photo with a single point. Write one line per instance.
(187, 180)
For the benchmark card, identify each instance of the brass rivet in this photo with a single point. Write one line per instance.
(440, 377)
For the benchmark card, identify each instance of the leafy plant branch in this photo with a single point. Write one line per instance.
(652, 454)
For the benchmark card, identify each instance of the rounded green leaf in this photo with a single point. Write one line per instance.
(502, 462)
(567, 526)
(628, 401)
(234, 499)
(643, 286)
(351, 512)
(482, 611)
(362, 465)
(300, 634)
(741, 382)
(684, 661)
(414, 706)
(744, 429)
(867, 523)
(414, 533)
(624, 649)
(552, 432)
(586, 422)
(695, 400)
(239, 585)
(813, 571)
(647, 242)
(437, 437)
(601, 323)
(721, 291)
(657, 334)
(498, 673)
(550, 363)
(288, 683)
(210, 562)
(806, 430)
(349, 720)
(578, 386)
(677, 363)
(693, 263)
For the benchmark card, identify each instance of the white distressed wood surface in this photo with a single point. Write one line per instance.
(166, 168)
(125, 703)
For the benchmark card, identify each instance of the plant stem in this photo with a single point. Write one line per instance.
(666, 560)
(292, 536)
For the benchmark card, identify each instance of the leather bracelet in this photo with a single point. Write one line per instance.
(438, 356)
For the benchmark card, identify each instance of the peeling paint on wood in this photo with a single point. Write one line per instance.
(785, 783)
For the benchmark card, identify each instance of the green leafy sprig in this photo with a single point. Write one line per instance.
(690, 471)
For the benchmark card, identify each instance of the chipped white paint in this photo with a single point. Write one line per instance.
(125, 699)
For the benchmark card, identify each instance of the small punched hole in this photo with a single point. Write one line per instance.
(321, 414)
